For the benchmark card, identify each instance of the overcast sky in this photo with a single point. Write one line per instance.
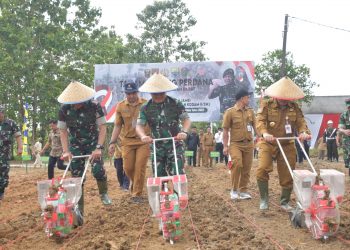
(246, 29)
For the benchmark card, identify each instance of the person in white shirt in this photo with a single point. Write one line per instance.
(36, 152)
(218, 144)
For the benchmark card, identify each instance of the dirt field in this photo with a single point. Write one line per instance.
(218, 223)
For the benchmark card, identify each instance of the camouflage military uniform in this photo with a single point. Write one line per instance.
(8, 129)
(344, 123)
(226, 95)
(163, 119)
(82, 125)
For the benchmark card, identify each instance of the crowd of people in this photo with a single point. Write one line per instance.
(81, 130)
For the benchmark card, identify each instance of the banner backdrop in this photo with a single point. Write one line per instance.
(204, 88)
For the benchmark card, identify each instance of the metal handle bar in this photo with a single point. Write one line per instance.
(155, 154)
(85, 168)
(285, 157)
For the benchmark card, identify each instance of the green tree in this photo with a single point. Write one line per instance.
(43, 46)
(164, 35)
(268, 72)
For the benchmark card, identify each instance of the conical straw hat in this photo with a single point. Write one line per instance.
(285, 89)
(157, 83)
(76, 92)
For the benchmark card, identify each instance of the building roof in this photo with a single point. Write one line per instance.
(326, 105)
(322, 105)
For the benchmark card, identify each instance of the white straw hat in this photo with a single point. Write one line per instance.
(157, 83)
(76, 92)
(285, 89)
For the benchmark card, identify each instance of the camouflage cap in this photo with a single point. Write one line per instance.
(2, 108)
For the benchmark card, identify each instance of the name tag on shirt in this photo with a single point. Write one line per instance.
(249, 128)
(288, 129)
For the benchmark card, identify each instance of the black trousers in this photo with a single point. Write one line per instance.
(220, 148)
(192, 159)
(332, 150)
(51, 166)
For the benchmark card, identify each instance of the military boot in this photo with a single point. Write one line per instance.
(285, 198)
(103, 188)
(264, 194)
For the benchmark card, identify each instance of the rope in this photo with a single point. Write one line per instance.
(343, 240)
(22, 236)
(143, 227)
(337, 236)
(78, 232)
(251, 222)
(193, 227)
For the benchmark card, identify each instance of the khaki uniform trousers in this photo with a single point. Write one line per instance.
(200, 155)
(268, 152)
(207, 160)
(242, 158)
(135, 163)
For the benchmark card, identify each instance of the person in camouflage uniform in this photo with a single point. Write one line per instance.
(82, 122)
(343, 137)
(227, 92)
(163, 114)
(8, 130)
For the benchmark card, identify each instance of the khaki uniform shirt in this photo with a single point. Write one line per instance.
(55, 143)
(201, 137)
(271, 118)
(126, 117)
(208, 139)
(240, 122)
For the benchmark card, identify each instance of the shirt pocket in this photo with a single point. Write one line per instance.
(292, 117)
(237, 122)
(126, 118)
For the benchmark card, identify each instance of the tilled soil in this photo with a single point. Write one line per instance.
(212, 220)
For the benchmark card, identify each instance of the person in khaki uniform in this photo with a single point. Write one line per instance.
(321, 148)
(240, 122)
(135, 152)
(201, 148)
(208, 146)
(279, 117)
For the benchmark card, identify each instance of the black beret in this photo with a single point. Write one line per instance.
(229, 72)
(243, 91)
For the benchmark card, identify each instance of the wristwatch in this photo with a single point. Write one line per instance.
(99, 146)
